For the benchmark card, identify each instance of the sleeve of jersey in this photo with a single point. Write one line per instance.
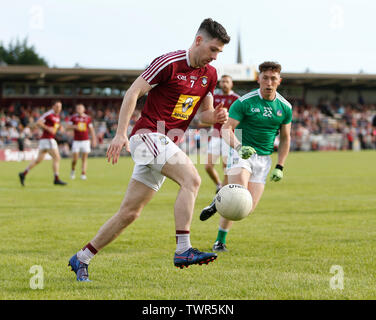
(288, 117)
(157, 72)
(236, 111)
(42, 118)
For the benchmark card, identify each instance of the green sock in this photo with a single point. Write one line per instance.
(221, 237)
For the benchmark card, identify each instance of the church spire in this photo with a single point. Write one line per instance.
(239, 59)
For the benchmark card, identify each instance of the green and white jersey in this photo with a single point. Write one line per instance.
(260, 120)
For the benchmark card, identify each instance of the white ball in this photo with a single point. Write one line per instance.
(233, 202)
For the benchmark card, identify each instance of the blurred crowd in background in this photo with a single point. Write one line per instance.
(325, 126)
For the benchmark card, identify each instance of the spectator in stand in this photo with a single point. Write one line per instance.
(322, 120)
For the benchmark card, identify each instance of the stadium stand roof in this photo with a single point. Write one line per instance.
(34, 73)
(350, 80)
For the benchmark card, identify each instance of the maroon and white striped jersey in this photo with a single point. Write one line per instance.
(50, 119)
(83, 123)
(176, 94)
(227, 100)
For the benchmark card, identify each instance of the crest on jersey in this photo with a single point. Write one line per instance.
(185, 106)
(279, 113)
(204, 81)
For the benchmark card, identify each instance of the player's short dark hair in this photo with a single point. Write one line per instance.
(270, 65)
(53, 102)
(226, 76)
(214, 30)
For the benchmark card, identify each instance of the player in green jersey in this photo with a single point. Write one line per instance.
(257, 118)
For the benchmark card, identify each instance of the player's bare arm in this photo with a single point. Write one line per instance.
(211, 115)
(284, 144)
(93, 136)
(72, 127)
(139, 88)
(227, 132)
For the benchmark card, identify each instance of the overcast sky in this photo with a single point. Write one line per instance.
(322, 35)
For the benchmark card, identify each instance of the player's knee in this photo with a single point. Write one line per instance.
(127, 216)
(193, 182)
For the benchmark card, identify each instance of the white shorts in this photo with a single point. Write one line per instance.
(150, 152)
(258, 166)
(47, 144)
(81, 146)
(218, 147)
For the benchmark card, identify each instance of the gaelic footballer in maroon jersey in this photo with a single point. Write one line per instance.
(81, 123)
(49, 122)
(177, 84)
(177, 92)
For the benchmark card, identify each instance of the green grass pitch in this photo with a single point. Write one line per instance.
(322, 214)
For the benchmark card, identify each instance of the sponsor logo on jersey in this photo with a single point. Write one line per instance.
(56, 126)
(184, 107)
(279, 113)
(81, 126)
(182, 77)
(255, 110)
(193, 78)
(204, 81)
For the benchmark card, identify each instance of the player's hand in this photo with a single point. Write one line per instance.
(277, 174)
(94, 143)
(51, 130)
(245, 152)
(220, 114)
(114, 149)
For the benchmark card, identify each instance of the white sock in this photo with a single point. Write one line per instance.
(85, 255)
(183, 242)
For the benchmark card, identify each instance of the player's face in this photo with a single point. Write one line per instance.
(80, 108)
(57, 107)
(225, 84)
(269, 81)
(208, 50)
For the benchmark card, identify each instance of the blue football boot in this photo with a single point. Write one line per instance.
(193, 256)
(80, 268)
